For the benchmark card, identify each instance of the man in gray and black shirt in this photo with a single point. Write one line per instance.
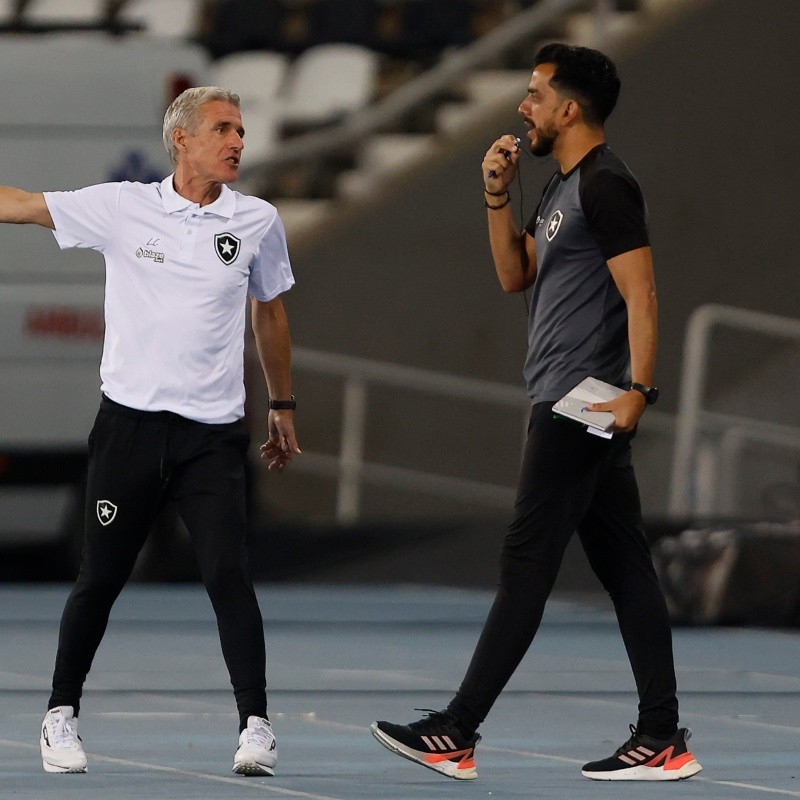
(577, 325)
(586, 253)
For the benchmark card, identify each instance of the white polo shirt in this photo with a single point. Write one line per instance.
(177, 280)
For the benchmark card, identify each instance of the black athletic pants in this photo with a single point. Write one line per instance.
(138, 460)
(571, 480)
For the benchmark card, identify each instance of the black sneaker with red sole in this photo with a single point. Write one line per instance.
(644, 758)
(435, 741)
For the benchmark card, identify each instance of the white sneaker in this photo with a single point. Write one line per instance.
(59, 742)
(258, 751)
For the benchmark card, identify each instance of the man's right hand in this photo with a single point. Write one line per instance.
(500, 164)
(281, 446)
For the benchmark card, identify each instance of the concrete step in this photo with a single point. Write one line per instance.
(300, 215)
(356, 184)
(583, 28)
(490, 87)
(391, 153)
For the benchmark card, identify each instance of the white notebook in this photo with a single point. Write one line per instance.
(590, 390)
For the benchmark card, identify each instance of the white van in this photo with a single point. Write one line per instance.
(77, 110)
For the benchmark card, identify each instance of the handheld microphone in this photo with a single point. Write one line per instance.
(507, 154)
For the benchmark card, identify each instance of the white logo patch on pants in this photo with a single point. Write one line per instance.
(106, 511)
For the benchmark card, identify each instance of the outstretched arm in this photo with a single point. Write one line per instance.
(22, 207)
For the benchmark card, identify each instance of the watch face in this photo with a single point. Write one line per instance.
(652, 395)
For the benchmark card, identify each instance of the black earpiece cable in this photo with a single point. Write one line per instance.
(522, 214)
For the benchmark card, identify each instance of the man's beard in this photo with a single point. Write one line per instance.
(544, 143)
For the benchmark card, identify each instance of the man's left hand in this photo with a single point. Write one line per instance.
(282, 445)
(627, 409)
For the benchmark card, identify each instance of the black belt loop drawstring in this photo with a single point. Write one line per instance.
(164, 465)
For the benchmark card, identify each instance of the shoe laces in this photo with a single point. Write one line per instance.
(637, 738)
(65, 733)
(632, 742)
(259, 735)
(434, 720)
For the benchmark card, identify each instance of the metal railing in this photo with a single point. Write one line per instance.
(691, 427)
(350, 469)
(690, 492)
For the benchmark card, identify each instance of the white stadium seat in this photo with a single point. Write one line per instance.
(257, 77)
(328, 81)
(174, 19)
(7, 8)
(75, 11)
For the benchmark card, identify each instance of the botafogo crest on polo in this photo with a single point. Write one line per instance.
(227, 247)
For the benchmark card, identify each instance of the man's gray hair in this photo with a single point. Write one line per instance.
(182, 112)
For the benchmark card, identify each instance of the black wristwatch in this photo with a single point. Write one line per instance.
(650, 392)
(283, 405)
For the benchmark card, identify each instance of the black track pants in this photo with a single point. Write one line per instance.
(571, 480)
(139, 460)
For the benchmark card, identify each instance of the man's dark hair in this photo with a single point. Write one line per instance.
(584, 74)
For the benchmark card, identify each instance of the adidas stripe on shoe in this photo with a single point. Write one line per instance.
(434, 741)
(59, 743)
(644, 758)
(257, 753)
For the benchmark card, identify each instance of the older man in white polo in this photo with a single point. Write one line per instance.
(181, 258)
